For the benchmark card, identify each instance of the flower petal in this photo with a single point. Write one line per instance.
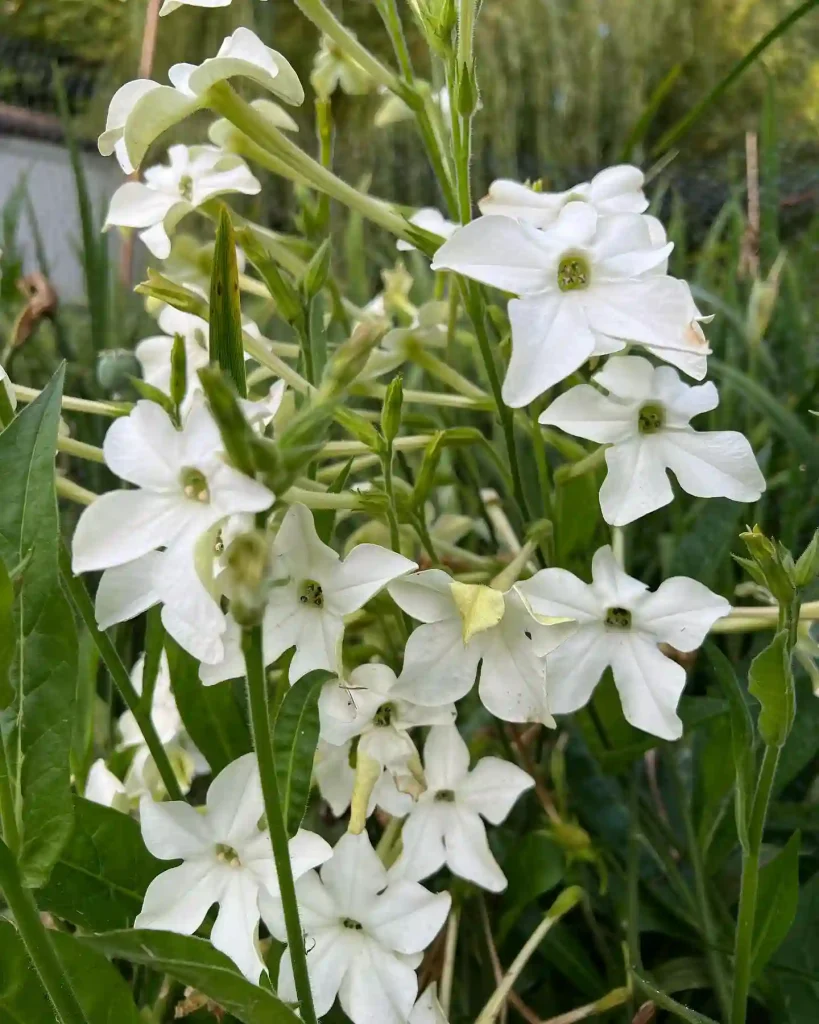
(612, 586)
(127, 590)
(438, 667)
(178, 899)
(174, 830)
(425, 595)
(422, 843)
(153, 113)
(575, 668)
(406, 917)
(500, 252)
(143, 448)
(649, 684)
(234, 801)
(513, 678)
(446, 758)
(367, 569)
(558, 593)
(353, 875)
(134, 205)
(467, 851)
(627, 377)
(329, 955)
(680, 612)
(714, 463)
(234, 931)
(584, 412)
(492, 787)
(378, 988)
(244, 54)
(636, 482)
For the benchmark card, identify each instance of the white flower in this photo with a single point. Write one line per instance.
(171, 5)
(335, 778)
(316, 590)
(333, 69)
(142, 110)
(226, 859)
(617, 189)
(466, 624)
(184, 488)
(621, 624)
(645, 420)
(432, 220)
(427, 1009)
(588, 286)
(5, 380)
(103, 787)
(364, 935)
(427, 330)
(169, 193)
(445, 826)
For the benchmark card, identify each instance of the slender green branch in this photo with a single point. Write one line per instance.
(663, 999)
(38, 943)
(71, 404)
(8, 814)
(80, 449)
(743, 944)
(392, 22)
(119, 674)
(263, 745)
(74, 492)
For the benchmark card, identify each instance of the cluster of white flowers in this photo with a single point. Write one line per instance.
(588, 268)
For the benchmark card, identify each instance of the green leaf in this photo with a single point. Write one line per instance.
(795, 967)
(295, 737)
(653, 104)
(44, 671)
(99, 987)
(196, 963)
(7, 644)
(226, 348)
(535, 866)
(212, 715)
(771, 682)
(777, 902)
(102, 874)
(742, 737)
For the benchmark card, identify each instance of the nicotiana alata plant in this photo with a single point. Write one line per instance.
(342, 580)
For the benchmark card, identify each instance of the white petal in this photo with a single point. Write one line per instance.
(318, 644)
(328, 959)
(157, 241)
(714, 463)
(558, 593)
(406, 917)
(152, 114)
(425, 595)
(629, 377)
(575, 668)
(234, 801)
(134, 205)
(680, 612)
(636, 482)
(584, 412)
(467, 851)
(244, 54)
(501, 252)
(143, 448)
(550, 340)
(427, 1009)
(353, 875)
(612, 586)
(334, 776)
(173, 830)
(298, 545)
(234, 932)
(121, 526)
(681, 401)
(367, 569)
(128, 590)
(317, 909)
(178, 899)
(492, 787)
(378, 988)
(438, 667)
(232, 492)
(511, 199)
(513, 678)
(649, 685)
(618, 189)
(422, 842)
(102, 786)
(446, 758)
(643, 311)
(307, 851)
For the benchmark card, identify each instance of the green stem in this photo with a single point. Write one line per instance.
(743, 944)
(37, 942)
(392, 516)
(119, 674)
(656, 995)
(8, 814)
(263, 745)
(392, 22)
(716, 967)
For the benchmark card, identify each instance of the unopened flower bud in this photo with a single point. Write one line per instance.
(318, 270)
(115, 368)
(391, 409)
(807, 565)
(165, 290)
(179, 370)
(350, 357)
(774, 563)
(248, 577)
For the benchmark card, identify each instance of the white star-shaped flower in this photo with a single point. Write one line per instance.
(335, 777)
(621, 624)
(464, 625)
(315, 590)
(103, 787)
(445, 825)
(364, 935)
(588, 285)
(170, 192)
(142, 110)
(226, 859)
(428, 219)
(183, 488)
(645, 418)
(617, 189)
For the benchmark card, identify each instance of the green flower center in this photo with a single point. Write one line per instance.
(651, 418)
(384, 715)
(445, 796)
(354, 926)
(311, 593)
(195, 484)
(618, 618)
(186, 187)
(573, 273)
(227, 855)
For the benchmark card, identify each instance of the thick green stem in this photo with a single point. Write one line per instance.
(263, 745)
(392, 515)
(119, 674)
(743, 943)
(38, 943)
(8, 815)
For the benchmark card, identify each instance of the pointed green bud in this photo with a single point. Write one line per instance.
(248, 576)
(154, 394)
(318, 270)
(362, 430)
(391, 409)
(179, 371)
(163, 289)
(774, 563)
(237, 434)
(467, 91)
(426, 474)
(350, 358)
(807, 566)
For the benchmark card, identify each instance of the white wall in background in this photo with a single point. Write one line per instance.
(51, 186)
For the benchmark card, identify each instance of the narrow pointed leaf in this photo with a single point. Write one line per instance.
(295, 737)
(325, 519)
(196, 963)
(226, 349)
(44, 669)
(777, 903)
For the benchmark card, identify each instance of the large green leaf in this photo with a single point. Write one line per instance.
(226, 348)
(295, 737)
(102, 874)
(771, 682)
(196, 963)
(102, 993)
(777, 900)
(794, 968)
(211, 714)
(7, 643)
(534, 866)
(44, 669)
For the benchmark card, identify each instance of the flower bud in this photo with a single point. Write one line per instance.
(115, 368)
(807, 565)
(467, 91)
(318, 270)
(391, 410)
(179, 370)
(165, 290)
(774, 563)
(350, 357)
(248, 577)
